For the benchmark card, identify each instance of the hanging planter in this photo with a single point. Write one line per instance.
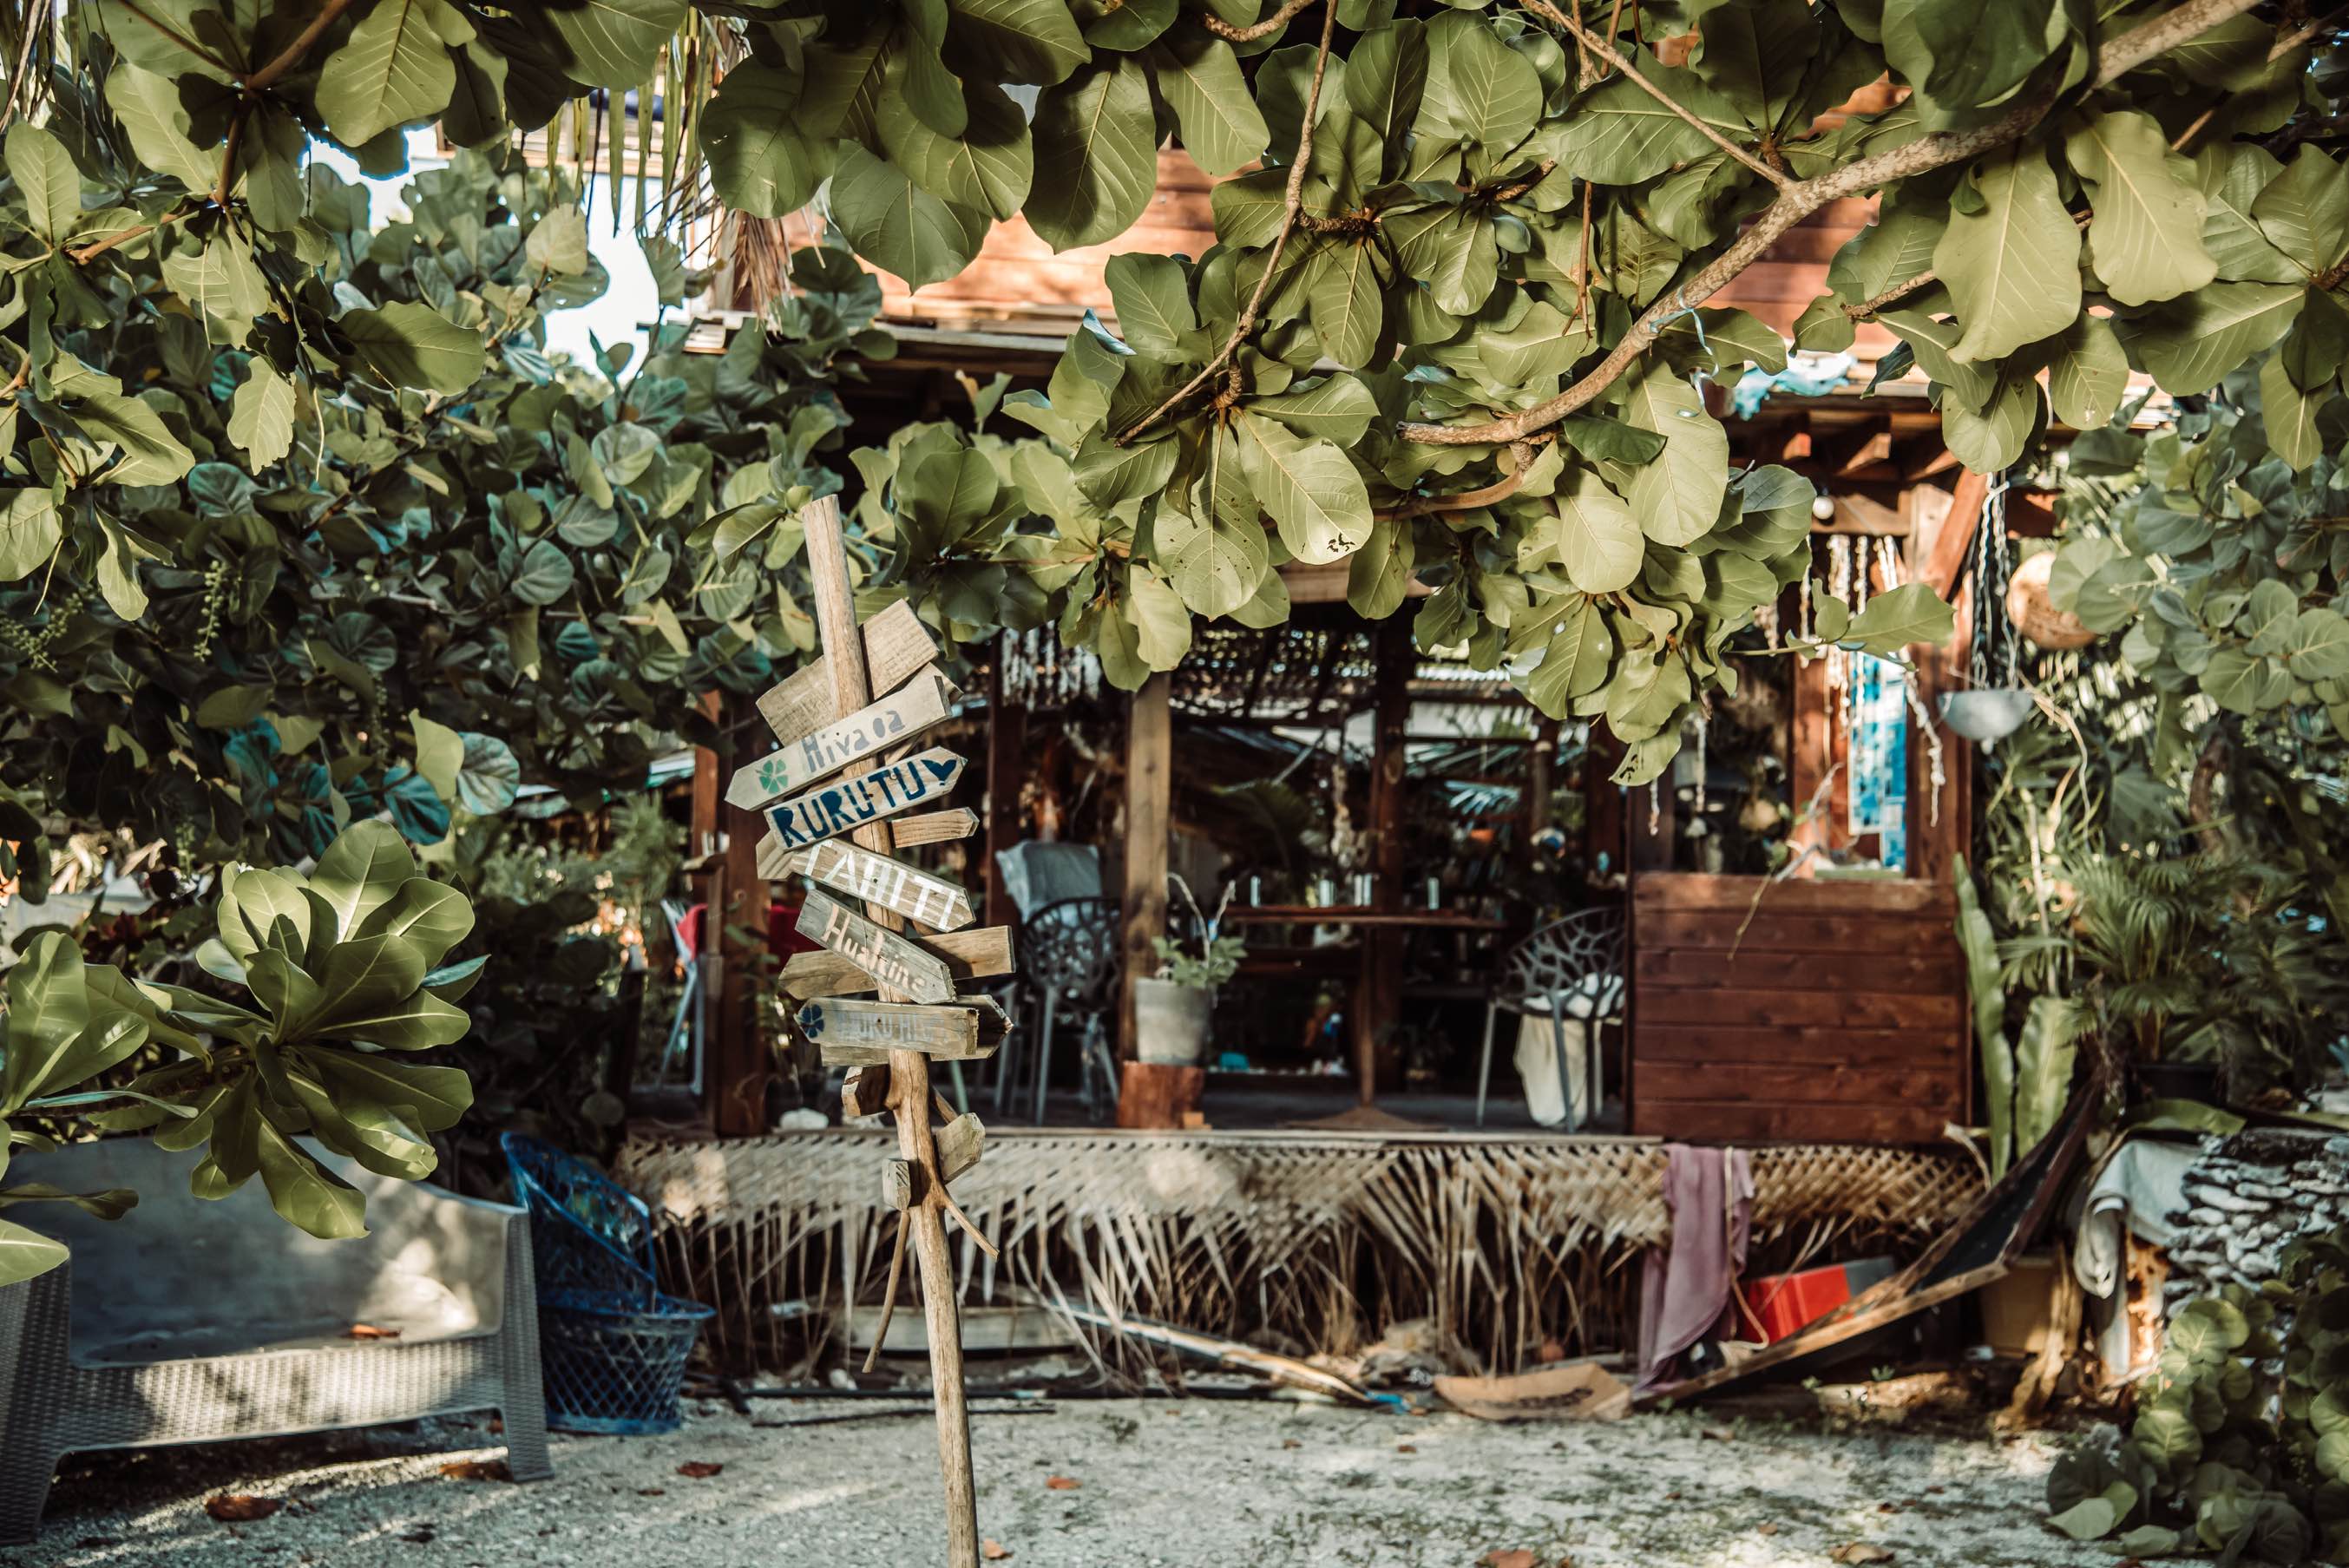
(1986, 714)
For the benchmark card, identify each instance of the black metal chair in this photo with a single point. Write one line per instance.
(1069, 952)
(1573, 966)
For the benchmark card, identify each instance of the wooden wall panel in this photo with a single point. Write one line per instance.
(1831, 1011)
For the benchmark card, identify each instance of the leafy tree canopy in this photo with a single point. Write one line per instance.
(1455, 326)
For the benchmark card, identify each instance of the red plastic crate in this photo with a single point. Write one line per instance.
(1783, 1303)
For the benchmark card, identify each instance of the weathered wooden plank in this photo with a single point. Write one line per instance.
(877, 878)
(970, 955)
(1797, 895)
(1829, 1006)
(846, 804)
(897, 645)
(860, 1034)
(897, 1184)
(893, 960)
(1824, 1083)
(1943, 1050)
(960, 1143)
(866, 1090)
(935, 827)
(1844, 941)
(925, 702)
(1751, 1121)
(1761, 969)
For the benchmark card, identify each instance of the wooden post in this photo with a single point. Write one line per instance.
(1007, 770)
(1938, 553)
(909, 1072)
(1149, 806)
(1378, 985)
(739, 1065)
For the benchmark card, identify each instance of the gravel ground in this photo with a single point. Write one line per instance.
(1160, 1483)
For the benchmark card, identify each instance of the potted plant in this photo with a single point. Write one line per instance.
(1171, 1008)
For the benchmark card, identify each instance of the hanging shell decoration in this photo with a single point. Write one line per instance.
(2035, 613)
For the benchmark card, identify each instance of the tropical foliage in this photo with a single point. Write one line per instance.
(341, 969)
(1502, 225)
(2240, 1444)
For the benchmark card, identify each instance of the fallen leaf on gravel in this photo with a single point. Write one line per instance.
(477, 1470)
(1888, 1508)
(240, 1508)
(1290, 1443)
(1517, 1558)
(1720, 1434)
(1860, 1551)
(652, 1491)
(1063, 1482)
(1406, 1448)
(699, 1469)
(1765, 1530)
(369, 1331)
(994, 1551)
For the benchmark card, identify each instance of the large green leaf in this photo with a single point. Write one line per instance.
(614, 43)
(305, 1191)
(762, 159)
(431, 1099)
(48, 1007)
(1033, 41)
(411, 344)
(432, 916)
(158, 124)
(394, 68)
(46, 180)
(898, 225)
(1677, 498)
(1979, 943)
(1618, 135)
(1199, 78)
(2189, 345)
(2145, 239)
(1096, 155)
(261, 417)
(2088, 376)
(30, 529)
(252, 903)
(1348, 302)
(1597, 541)
(1312, 491)
(1479, 90)
(1577, 657)
(362, 977)
(1386, 77)
(1152, 301)
(2304, 211)
(1891, 621)
(2231, 174)
(2013, 269)
(26, 1254)
(360, 871)
(991, 160)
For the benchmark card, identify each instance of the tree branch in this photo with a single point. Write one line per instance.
(1606, 51)
(269, 75)
(1469, 501)
(1254, 30)
(1292, 204)
(1798, 202)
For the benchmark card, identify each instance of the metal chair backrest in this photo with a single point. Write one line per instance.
(1037, 875)
(1069, 948)
(1582, 953)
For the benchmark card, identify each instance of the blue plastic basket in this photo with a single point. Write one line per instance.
(612, 1348)
(587, 1231)
(612, 1363)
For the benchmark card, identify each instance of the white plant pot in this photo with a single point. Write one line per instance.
(1170, 1022)
(1986, 714)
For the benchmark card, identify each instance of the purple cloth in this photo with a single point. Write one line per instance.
(1686, 1286)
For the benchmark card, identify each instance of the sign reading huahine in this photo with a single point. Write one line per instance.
(897, 963)
(893, 884)
(847, 804)
(923, 701)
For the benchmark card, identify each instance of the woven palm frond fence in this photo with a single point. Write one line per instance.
(1311, 1242)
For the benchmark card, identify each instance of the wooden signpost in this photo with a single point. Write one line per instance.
(923, 703)
(827, 719)
(878, 879)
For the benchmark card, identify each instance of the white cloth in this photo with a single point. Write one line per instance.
(1536, 1061)
(2141, 1183)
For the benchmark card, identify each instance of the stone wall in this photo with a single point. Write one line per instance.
(2248, 1196)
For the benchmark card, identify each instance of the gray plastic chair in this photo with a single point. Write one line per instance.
(1570, 967)
(188, 1321)
(1069, 957)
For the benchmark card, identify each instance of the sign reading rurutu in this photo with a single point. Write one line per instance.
(878, 688)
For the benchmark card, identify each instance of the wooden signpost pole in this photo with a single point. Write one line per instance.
(909, 1072)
